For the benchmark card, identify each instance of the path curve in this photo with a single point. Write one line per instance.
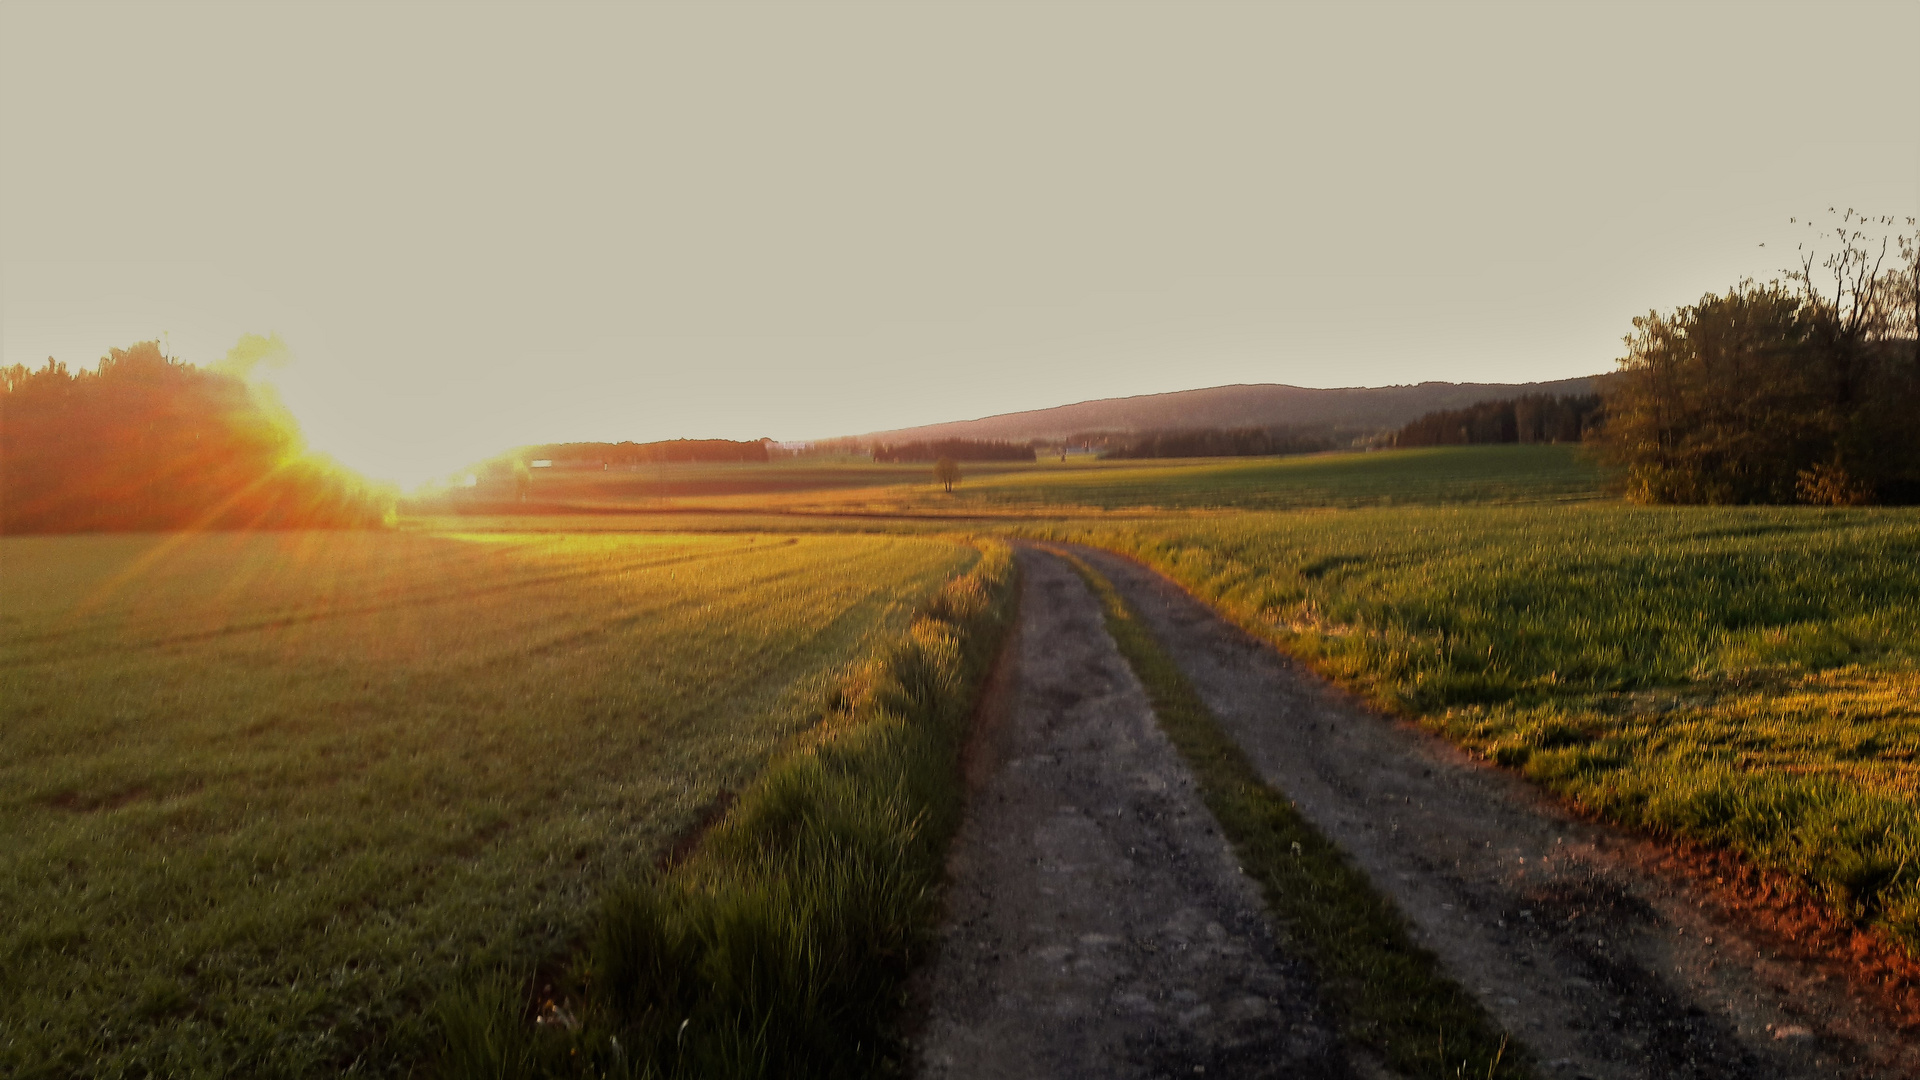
(1098, 925)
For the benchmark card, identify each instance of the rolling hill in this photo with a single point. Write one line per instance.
(1355, 410)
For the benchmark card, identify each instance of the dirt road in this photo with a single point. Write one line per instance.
(1603, 966)
(1099, 926)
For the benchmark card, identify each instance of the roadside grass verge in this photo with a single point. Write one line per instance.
(1390, 994)
(780, 945)
(1747, 678)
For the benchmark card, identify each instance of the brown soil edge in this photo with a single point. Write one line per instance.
(979, 757)
(1776, 909)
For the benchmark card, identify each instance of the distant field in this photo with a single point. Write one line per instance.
(265, 795)
(1425, 477)
(1744, 676)
(694, 479)
(1466, 474)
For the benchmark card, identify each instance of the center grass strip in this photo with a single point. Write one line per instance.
(780, 946)
(1390, 994)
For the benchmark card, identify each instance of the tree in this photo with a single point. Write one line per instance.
(1792, 390)
(148, 442)
(946, 472)
(1714, 402)
(1862, 304)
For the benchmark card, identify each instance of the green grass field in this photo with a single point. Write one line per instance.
(1748, 677)
(1459, 475)
(1451, 476)
(266, 796)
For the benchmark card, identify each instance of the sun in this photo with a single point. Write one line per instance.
(380, 439)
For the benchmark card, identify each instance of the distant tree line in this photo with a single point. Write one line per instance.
(954, 449)
(846, 446)
(669, 450)
(1220, 442)
(1803, 390)
(149, 442)
(1532, 418)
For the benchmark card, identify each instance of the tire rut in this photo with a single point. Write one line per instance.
(1605, 968)
(1098, 924)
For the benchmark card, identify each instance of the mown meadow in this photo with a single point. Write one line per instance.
(268, 798)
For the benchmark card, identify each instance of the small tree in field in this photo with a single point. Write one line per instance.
(946, 473)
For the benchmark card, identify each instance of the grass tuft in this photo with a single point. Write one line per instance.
(780, 946)
(1390, 994)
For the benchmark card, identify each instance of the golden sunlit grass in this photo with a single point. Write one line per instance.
(267, 796)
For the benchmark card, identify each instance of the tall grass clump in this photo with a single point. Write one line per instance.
(780, 945)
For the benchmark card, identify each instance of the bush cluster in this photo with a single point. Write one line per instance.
(1791, 391)
(1223, 442)
(1531, 418)
(955, 449)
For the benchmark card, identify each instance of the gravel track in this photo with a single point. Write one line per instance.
(1098, 924)
(1568, 932)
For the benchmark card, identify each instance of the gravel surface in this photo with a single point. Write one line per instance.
(1604, 967)
(1098, 925)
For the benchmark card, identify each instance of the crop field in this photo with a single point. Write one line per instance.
(1747, 677)
(1425, 477)
(267, 795)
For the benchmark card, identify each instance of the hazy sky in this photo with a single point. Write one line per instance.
(478, 226)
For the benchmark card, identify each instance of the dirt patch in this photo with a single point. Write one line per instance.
(1777, 910)
(1098, 925)
(1578, 937)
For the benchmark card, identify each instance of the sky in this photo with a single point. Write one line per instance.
(480, 226)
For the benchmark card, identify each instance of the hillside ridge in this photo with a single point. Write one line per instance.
(1349, 409)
